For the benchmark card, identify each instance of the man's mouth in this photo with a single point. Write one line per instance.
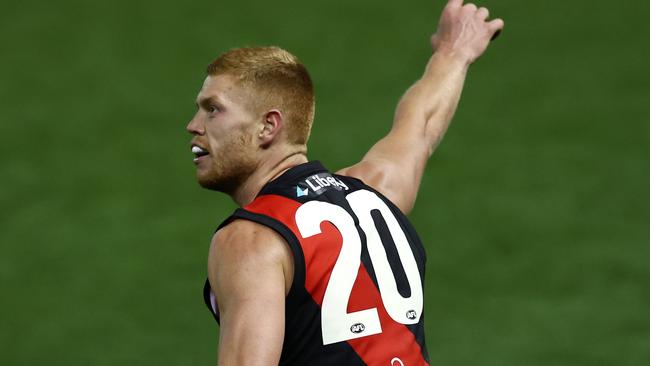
(199, 152)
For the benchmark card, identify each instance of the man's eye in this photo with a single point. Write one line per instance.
(213, 109)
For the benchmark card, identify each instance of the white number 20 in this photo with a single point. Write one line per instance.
(337, 324)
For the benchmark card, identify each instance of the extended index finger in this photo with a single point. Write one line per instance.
(496, 26)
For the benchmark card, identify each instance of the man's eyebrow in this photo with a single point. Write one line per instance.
(206, 101)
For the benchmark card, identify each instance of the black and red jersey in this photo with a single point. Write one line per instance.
(356, 297)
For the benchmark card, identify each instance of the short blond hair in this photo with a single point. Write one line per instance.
(278, 79)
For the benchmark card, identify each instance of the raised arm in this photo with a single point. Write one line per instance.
(394, 165)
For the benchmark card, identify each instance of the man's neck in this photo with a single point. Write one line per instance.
(266, 172)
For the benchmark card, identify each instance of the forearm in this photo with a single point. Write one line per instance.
(428, 106)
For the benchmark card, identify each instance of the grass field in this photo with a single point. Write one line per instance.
(535, 209)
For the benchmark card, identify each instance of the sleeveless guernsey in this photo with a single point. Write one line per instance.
(356, 297)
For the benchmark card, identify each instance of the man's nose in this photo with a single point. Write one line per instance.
(194, 127)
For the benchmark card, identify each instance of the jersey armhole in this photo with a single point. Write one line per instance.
(294, 245)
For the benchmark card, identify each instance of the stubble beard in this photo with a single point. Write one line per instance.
(230, 167)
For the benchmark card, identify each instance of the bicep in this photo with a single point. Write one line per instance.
(394, 167)
(247, 277)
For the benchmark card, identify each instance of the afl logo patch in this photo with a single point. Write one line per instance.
(357, 328)
(411, 314)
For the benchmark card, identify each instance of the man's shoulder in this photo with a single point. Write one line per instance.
(387, 177)
(244, 245)
(246, 241)
(245, 233)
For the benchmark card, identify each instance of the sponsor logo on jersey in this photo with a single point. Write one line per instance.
(357, 328)
(319, 183)
(411, 314)
(396, 362)
(301, 191)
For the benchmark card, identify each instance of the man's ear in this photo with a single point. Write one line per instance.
(271, 126)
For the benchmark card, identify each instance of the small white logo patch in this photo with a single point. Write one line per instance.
(357, 328)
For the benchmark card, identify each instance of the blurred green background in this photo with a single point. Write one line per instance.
(535, 209)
